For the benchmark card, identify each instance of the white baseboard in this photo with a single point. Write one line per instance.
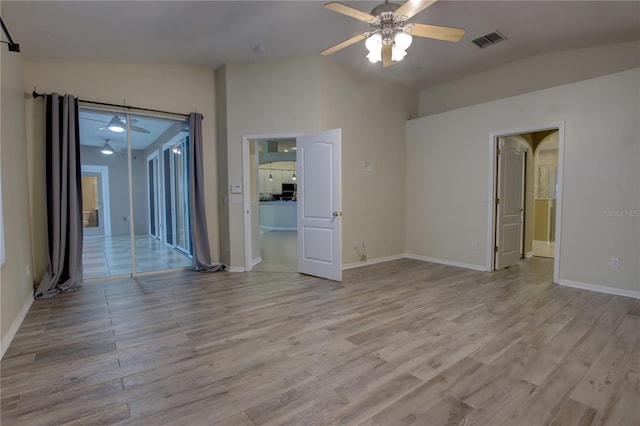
(528, 254)
(600, 288)
(277, 228)
(255, 261)
(6, 340)
(373, 261)
(481, 268)
(234, 268)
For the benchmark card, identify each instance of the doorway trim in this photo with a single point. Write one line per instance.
(246, 184)
(493, 176)
(106, 195)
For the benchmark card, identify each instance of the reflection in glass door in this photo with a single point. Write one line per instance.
(92, 220)
(152, 194)
(147, 230)
(176, 199)
(168, 197)
(181, 196)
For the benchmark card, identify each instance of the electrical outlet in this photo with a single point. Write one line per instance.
(615, 263)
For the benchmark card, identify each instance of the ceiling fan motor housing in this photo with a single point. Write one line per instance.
(385, 7)
(387, 21)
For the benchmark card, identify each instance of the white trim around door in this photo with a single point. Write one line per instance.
(249, 261)
(106, 197)
(493, 176)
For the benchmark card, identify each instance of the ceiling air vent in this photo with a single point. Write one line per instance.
(488, 39)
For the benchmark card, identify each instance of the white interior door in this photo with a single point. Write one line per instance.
(509, 203)
(319, 204)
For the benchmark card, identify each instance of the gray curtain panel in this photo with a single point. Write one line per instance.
(64, 196)
(197, 212)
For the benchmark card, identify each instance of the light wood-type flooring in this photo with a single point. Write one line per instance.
(279, 252)
(397, 343)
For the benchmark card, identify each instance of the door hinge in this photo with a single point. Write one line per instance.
(496, 249)
(497, 201)
(498, 151)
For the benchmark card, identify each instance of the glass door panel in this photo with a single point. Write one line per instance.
(159, 234)
(152, 194)
(181, 194)
(135, 214)
(168, 197)
(105, 188)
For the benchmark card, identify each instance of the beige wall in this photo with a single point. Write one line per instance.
(534, 73)
(222, 139)
(16, 280)
(309, 95)
(269, 97)
(176, 88)
(372, 114)
(447, 163)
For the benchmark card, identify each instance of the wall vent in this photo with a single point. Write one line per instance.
(488, 39)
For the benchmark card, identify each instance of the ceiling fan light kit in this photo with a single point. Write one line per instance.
(106, 149)
(115, 125)
(391, 35)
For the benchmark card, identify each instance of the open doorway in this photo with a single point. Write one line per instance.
(272, 192)
(545, 195)
(526, 184)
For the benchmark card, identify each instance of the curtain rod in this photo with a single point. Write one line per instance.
(13, 46)
(129, 107)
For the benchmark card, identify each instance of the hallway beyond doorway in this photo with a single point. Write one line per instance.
(279, 252)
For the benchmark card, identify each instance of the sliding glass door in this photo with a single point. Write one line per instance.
(145, 226)
(176, 195)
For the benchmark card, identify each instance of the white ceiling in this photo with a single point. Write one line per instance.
(211, 33)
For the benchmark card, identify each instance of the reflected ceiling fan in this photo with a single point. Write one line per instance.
(390, 35)
(119, 125)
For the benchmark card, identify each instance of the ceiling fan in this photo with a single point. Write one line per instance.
(107, 149)
(118, 124)
(391, 33)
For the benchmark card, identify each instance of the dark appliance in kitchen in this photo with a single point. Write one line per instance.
(288, 191)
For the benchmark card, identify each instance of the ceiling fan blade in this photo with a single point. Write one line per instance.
(349, 11)
(343, 44)
(437, 32)
(413, 7)
(138, 129)
(386, 55)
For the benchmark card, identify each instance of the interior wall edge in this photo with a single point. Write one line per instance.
(15, 326)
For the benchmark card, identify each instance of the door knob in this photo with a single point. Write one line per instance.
(337, 213)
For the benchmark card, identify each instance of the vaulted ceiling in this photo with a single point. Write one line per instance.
(211, 33)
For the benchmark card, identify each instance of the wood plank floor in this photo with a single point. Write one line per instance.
(404, 342)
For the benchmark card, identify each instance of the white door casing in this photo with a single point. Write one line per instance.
(319, 204)
(102, 172)
(509, 203)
